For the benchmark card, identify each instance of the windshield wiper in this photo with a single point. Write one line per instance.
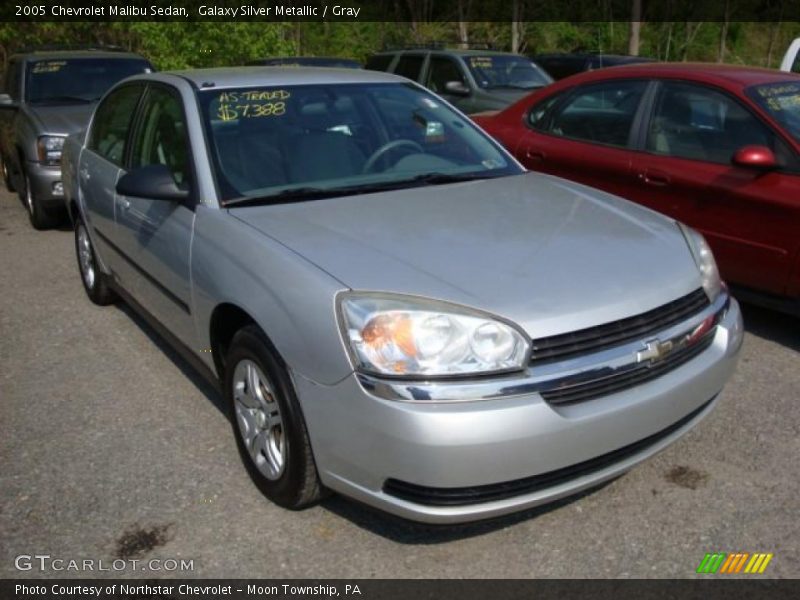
(511, 86)
(300, 194)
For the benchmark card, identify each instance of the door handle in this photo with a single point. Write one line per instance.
(654, 178)
(535, 155)
(84, 173)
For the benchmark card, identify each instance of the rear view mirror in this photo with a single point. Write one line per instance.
(755, 157)
(153, 181)
(457, 88)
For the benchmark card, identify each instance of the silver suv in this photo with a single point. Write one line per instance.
(472, 80)
(393, 308)
(48, 95)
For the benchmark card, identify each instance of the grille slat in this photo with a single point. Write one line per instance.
(600, 337)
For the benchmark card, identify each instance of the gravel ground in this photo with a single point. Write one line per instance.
(113, 448)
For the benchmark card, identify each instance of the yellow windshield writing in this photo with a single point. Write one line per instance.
(252, 104)
(49, 66)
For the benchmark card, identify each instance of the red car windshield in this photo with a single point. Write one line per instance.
(782, 101)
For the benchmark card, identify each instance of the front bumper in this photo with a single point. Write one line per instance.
(362, 441)
(45, 182)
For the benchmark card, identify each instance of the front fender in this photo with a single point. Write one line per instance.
(291, 299)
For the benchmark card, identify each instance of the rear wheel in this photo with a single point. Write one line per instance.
(40, 217)
(267, 421)
(95, 282)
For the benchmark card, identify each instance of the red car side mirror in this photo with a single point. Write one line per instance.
(755, 157)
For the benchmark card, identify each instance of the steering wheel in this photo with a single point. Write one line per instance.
(387, 147)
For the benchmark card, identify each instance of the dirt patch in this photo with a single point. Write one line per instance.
(137, 541)
(686, 477)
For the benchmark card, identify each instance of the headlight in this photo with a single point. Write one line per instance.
(414, 337)
(704, 258)
(49, 149)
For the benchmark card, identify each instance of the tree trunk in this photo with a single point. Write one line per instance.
(515, 26)
(723, 33)
(463, 23)
(635, 28)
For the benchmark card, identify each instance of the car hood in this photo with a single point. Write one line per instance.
(62, 119)
(548, 254)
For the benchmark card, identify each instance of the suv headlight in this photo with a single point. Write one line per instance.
(704, 259)
(48, 148)
(412, 337)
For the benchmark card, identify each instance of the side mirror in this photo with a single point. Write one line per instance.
(457, 88)
(755, 157)
(153, 181)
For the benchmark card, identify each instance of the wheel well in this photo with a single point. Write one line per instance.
(73, 211)
(226, 320)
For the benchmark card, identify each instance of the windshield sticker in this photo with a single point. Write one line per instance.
(778, 90)
(48, 66)
(252, 104)
(783, 102)
(490, 163)
(481, 62)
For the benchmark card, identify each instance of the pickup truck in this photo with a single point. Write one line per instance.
(50, 94)
(391, 306)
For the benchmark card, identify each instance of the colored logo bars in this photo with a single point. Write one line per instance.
(721, 562)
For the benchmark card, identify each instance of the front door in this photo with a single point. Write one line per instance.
(156, 234)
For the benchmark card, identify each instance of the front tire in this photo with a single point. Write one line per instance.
(95, 282)
(6, 175)
(39, 216)
(267, 422)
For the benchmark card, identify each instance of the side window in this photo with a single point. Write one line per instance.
(379, 62)
(161, 137)
(537, 117)
(112, 121)
(440, 72)
(601, 113)
(698, 123)
(409, 66)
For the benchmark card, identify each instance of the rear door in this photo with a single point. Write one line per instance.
(155, 235)
(749, 217)
(100, 165)
(585, 134)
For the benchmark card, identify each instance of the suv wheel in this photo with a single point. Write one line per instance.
(40, 217)
(267, 421)
(6, 174)
(95, 282)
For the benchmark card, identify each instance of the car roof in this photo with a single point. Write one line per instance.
(728, 76)
(73, 54)
(455, 51)
(261, 75)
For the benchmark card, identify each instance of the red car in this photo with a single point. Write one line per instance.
(717, 147)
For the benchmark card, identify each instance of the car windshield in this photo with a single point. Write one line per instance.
(782, 101)
(77, 80)
(499, 71)
(288, 143)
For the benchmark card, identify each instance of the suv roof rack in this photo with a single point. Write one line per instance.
(70, 48)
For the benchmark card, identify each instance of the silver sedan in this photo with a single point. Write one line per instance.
(392, 307)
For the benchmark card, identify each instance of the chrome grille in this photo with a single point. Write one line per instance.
(600, 337)
(619, 381)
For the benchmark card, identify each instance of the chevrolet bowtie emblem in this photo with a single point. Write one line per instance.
(655, 351)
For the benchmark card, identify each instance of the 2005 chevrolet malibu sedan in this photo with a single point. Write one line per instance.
(394, 309)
